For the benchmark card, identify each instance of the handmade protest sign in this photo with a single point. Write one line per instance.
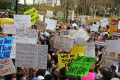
(79, 41)
(66, 33)
(6, 67)
(49, 13)
(107, 59)
(94, 27)
(60, 14)
(116, 33)
(99, 42)
(41, 17)
(5, 47)
(9, 29)
(6, 21)
(22, 21)
(51, 46)
(51, 24)
(64, 60)
(81, 66)
(114, 22)
(112, 28)
(31, 55)
(80, 33)
(26, 33)
(41, 24)
(20, 40)
(90, 76)
(61, 42)
(34, 15)
(104, 22)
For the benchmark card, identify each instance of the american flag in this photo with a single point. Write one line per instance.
(116, 33)
(99, 42)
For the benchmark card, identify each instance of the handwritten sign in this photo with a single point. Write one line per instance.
(94, 27)
(81, 66)
(104, 22)
(112, 28)
(80, 33)
(22, 21)
(9, 29)
(107, 59)
(79, 41)
(6, 21)
(20, 40)
(41, 25)
(114, 22)
(49, 13)
(65, 43)
(26, 33)
(5, 47)
(60, 14)
(34, 15)
(51, 24)
(66, 33)
(6, 67)
(31, 55)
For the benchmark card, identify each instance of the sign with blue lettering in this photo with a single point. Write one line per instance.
(5, 47)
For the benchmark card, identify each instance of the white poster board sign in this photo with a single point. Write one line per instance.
(7, 67)
(104, 22)
(60, 14)
(61, 42)
(94, 27)
(49, 13)
(51, 24)
(22, 21)
(9, 29)
(31, 55)
(66, 33)
(42, 17)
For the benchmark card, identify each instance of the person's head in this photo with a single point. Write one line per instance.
(107, 27)
(40, 72)
(48, 77)
(33, 72)
(115, 59)
(58, 30)
(62, 73)
(55, 59)
(20, 76)
(92, 68)
(118, 58)
(96, 51)
(55, 70)
(49, 64)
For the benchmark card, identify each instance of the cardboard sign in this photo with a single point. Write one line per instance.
(112, 28)
(6, 21)
(104, 22)
(49, 13)
(116, 33)
(26, 33)
(80, 33)
(114, 22)
(51, 24)
(9, 29)
(41, 25)
(20, 40)
(107, 59)
(81, 66)
(65, 43)
(65, 59)
(100, 42)
(34, 15)
(5, 47)
(90, 76)
(31, 55)
(60, 14)
(22, 21)
(6, 67)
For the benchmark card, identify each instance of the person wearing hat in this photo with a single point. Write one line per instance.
(57, 31)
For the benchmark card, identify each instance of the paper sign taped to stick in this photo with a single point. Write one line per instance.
(5, 47)
(64, 60)
(9, 29)
(20, 40)
(49, 13)
(80, 33)
(22, 21)
(104, 22)
(81, 66)
(61, 42)
(6, 21)
(41, 25)
(112, 28)
(34, 15)
(31, 55)
(26, 33)
(7, 67)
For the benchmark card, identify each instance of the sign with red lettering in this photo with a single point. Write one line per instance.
(7, 67)
(114, 22)
(41, 24)
(9, 29)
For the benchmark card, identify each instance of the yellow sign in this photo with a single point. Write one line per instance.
(6, 21)
(87, 21)
(34, 15)
(112, 28)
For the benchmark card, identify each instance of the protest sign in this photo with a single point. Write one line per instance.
(112, 28)
(60, 14)
(49, 13)
(119, 25)
(20, 40)
(5, 47)
(90, 50)
(61, 42)
(9, 29)
(100, 42)
(116, 33)
(51, 24)
(83, 20)
(107, 59)
(64, 60)
(66, 33)
(78, 49)
(79, 41)
(114, 22)
(80, 33)
(22, 21)
(6, 21)
(41, 25)
(90, 76)
(26, 33)
(87, 21)
(94, 27)
(7, 67)
(41, 17)
(81, 66)
(34, 15)
(104, 22)
(31, 55)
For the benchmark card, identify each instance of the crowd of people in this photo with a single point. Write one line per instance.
(53, 72)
